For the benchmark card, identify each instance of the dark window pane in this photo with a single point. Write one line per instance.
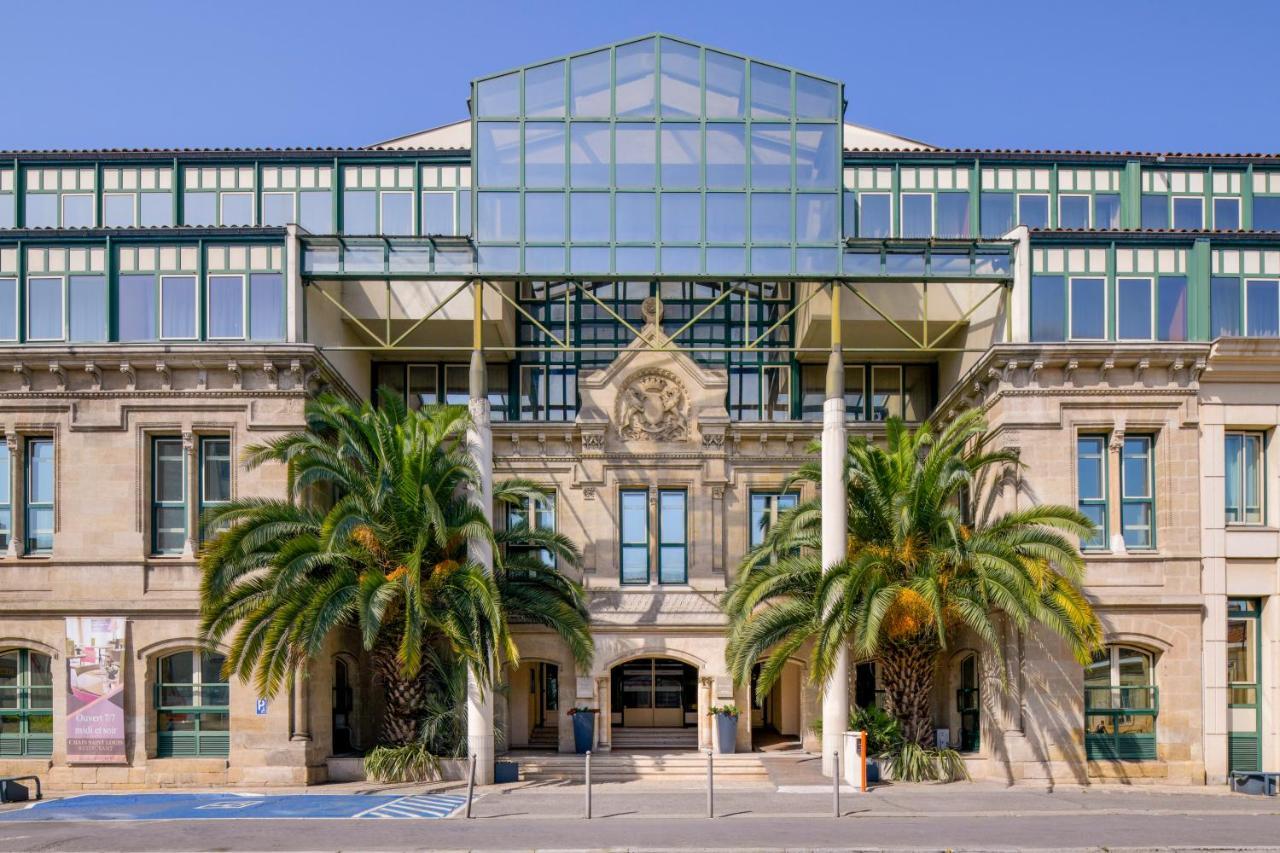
(1088, 308)
(1048, 308)
(1262, 309)
(1226, 214)
(136, 307)
(1171, 308)
(1106, 210)
(1155, 211)
(88, 297)
(917, 215)
(1224, 307)
(266, 307)
(1033, 211)
(1266, 213)
(996, 214)
(1073, 211)
(953, 214)
(874, 215)
(1188, 213)
(1133, 298)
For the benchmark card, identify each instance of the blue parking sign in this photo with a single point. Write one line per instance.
(261, 707)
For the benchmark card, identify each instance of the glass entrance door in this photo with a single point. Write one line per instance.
(652, 692)
(1244, 683)
(967, 705)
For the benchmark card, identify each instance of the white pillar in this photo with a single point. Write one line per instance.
(480, 696)
(835, 697)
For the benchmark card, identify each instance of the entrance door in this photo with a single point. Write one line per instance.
(652, 692)
(343, 704)
(967, 705)
(1244, 683)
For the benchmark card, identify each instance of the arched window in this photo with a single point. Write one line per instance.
(192, 715)
(1121, 703)
(26, 703)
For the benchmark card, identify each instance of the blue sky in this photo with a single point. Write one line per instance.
(1178, 75)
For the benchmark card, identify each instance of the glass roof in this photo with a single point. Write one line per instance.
(657, 155)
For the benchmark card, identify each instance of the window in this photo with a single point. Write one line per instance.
(237, 208)
(226, 306)
(1088, 309)
(1091, 486)
(634, 523)
(536, 514)
(1136, 311)
(996, 213)
(1155, 211)
(1106, 210)
(26, 704)
(1226, 214)
(397, 213)
(953, 214)
(6, 497)
(39, 497)
(765, 509)
(278, 209)
(886, 392)
(673, 536)
(1262, 308)
(1188, 212)
(118, 210)
(1137, 501)
(1120, 705)
(8, 309)
(266, 307)
(1073, 211)
(168, 496)
(77, 211)
(192, 714)
(1244, 680)
(87, 295)
(1243, 474)
(760, 392)
(136, 310)
(917, 215)
(1225, 308)
(1266, 213)
(1048, 308)
(875, 215)
(44, 309)
(1133, 306)
(1171, 308)
(178, 307)
(1033, 210)
(215, 478)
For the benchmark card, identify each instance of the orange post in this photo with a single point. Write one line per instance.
(862, 763)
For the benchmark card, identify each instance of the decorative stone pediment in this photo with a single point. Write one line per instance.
(652, 396)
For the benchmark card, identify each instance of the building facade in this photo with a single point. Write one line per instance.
(653, 250)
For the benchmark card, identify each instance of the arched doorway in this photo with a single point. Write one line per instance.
(343, 706)
(775, 717)
(653, 696)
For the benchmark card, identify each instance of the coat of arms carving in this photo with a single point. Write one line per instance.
(653, 406)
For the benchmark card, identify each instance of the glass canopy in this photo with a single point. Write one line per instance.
(657, 156)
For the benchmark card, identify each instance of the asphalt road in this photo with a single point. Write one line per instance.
(952, 832)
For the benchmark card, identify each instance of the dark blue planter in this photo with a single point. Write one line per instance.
(726, 734)
(584, 732)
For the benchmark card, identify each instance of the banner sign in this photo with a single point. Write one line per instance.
(95, 690)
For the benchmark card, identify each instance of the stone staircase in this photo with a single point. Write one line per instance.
(667, 740)
(544, 737)
(649, 765)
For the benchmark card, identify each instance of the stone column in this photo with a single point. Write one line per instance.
(480, 442)
(301, 724)
(192, 485)
(835, 698)
(604, 721)
(1114, 461)
(17, 524)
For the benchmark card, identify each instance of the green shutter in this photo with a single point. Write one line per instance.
(1123, 747)
(1243, 752)
(176, 744)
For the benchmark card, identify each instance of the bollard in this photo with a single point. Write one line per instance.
(711, 789)
(835, 784)
(471, 785)
(587, 778)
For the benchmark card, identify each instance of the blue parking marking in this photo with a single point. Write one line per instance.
(100, 807)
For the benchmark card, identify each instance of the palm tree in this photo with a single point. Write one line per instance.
(373, 535)
(916, 573)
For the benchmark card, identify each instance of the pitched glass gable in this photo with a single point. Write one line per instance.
(657, 156)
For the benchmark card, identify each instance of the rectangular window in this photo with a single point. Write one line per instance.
(1106, 210)
(1155, 211)
(155, 210)
(457, 384)
(917, 215)
(87, 295)
(44, 309)
(996, 214)
(237, 209)
(1243, 473)
(1137, 499)
(1073, 211)
(875, 215)
(178, 307)
(1091, 486)
(200, 208)
(277, 209)
(42, 210)
(1225, 308)
(673, 536)
(315, 211)
(1171, 308)
(438, 213)
(953, 214)
(215, 477)
(168, 496)
(266, 307)
(118, 210)
(1262, 308)
(1226, 214)
(8, 309)
(1048, 308)
(765, 509)
(855, 394)
(536, 514)
(226, 306)
(1188, 212)
(77, 211)
(6, 498)
(886, 392)
(1133, 307)
(39, 496)
(136, 307)
(1033, 210)
(360, 212)
(1088, 309)
(633, 522)
(397, 213)
(1266, 213)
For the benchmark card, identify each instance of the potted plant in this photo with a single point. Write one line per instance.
(584, 728)
(884, 736)
(726, 717)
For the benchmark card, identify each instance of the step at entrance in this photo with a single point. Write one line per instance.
(544, 737)
(669, 740)
(640, 766)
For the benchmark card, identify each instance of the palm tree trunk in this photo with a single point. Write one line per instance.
(404, 697)
(906, 670)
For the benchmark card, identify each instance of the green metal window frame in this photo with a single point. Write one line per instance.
(498, 375)
(1119, 703)
(634, 542)
(173, 444)
(537, 514)
(765, 505)
(1139, 500)
(200, 742)
(1244, 749)
(1101, 539)
(969, 706)
(211, 451)
(28, 708)
(670, 540)
(31, 507)
(1236, 507)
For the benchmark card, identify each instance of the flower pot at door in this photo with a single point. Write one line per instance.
(726, 733)
(584, 731)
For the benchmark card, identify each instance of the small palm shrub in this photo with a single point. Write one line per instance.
(411, 762)
(910, 762)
